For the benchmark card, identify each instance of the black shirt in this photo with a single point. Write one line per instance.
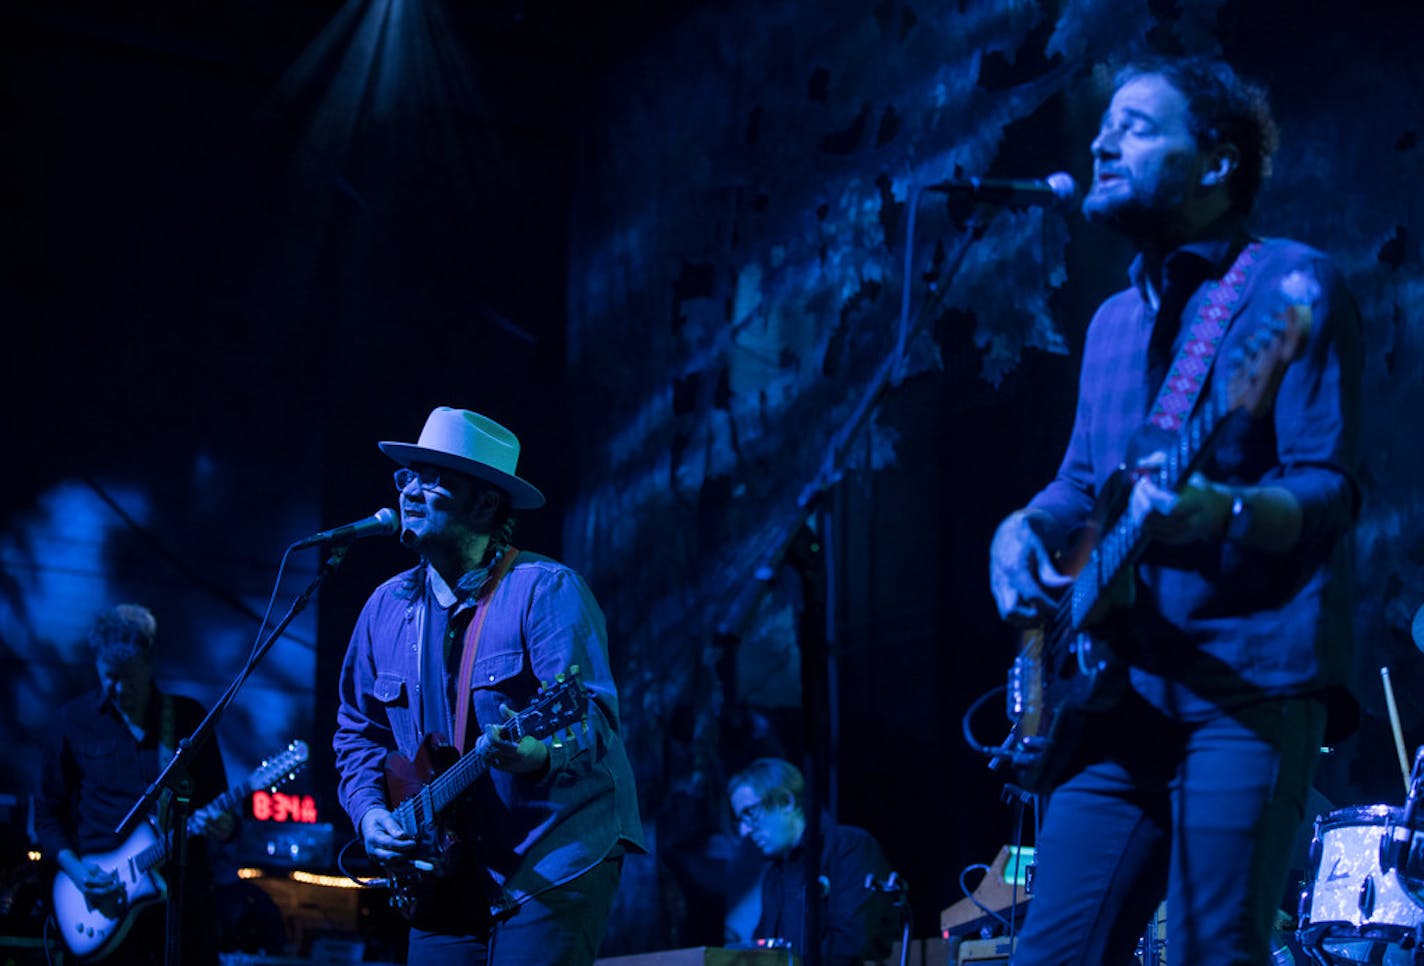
(858, 923)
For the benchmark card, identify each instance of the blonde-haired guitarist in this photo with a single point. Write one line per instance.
(109, 746)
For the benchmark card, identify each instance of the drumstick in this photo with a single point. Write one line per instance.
(1394, 725)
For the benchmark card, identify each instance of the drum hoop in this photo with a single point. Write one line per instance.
(1357, 815)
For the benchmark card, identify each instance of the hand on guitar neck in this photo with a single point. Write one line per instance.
(1206, 511)
(527, 756)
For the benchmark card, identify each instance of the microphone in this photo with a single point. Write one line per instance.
(382, 523)
(1058, 189)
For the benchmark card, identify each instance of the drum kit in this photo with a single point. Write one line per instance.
(1363, 898)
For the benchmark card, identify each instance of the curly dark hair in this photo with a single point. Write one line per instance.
(1224, 110)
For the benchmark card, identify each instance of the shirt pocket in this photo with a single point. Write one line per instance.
(95, 749)
(500, 678)
(98, 761)
(394, 696)
(498, 671)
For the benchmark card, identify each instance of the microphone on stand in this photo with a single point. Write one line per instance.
(382, 523)
(1057, 190)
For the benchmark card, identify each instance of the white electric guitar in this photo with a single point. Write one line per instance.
(93, 932)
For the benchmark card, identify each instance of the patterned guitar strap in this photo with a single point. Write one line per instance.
(1183, 384)
(473, 630)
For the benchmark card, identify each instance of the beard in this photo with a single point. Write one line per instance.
(1143, 219)
(1121, 211)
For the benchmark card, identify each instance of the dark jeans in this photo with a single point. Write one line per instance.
(563, 925)
(1204, 813)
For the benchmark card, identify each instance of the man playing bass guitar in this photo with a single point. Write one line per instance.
(1186, 778)
(522, 868)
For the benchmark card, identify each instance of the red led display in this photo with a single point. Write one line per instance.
(281, 807)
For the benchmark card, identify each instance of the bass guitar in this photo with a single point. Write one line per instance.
(1062, 669)
(426, 786)
(93, 932)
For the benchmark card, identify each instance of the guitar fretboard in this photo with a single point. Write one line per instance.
(1121, 545)
(416, 812)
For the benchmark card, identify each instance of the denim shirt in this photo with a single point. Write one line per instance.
(532, 833)
(1217, 625)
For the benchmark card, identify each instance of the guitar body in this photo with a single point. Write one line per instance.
(423, 788)
(406, 781)
(1052, 685)
(93, 932)
(439, 850)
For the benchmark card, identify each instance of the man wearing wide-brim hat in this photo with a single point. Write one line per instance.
(443, 653)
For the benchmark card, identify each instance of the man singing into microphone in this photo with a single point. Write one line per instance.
(1232, 629)
(450, 648)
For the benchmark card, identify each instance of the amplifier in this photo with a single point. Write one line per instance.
(1004, 890)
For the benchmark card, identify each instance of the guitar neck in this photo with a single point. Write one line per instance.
(452, 782)
(228, 801)
(156, 853)
(1124, 542)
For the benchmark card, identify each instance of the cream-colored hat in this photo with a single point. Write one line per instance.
(460, 440)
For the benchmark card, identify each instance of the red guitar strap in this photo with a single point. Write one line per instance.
(1179, 392)
(473, 630)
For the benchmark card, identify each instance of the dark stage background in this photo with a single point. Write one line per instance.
(689, 254)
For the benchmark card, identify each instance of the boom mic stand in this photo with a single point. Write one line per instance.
(795, 541)
(175, 775)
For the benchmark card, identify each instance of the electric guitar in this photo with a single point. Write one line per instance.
(1062, 670)
(93, 932)
(426, 786)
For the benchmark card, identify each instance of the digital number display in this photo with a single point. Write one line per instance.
(281, 807)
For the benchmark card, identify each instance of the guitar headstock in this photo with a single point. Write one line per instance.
(281, 768)
(1257, 367)
(557, 706)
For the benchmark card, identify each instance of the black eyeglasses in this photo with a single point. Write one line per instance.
(429, 478)
(750, 815)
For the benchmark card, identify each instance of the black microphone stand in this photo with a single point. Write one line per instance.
(797, 543)
(175, 775)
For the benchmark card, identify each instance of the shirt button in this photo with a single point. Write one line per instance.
(491, 679)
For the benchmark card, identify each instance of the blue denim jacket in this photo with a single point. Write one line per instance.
(532, 833)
